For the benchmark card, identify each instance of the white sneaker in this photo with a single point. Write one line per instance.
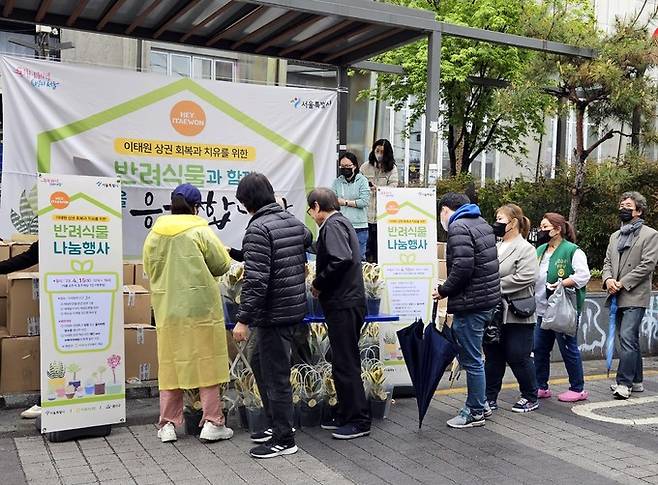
(638, 387)
(212, 432)
(33, 413)
(167, 433)
(622, 392)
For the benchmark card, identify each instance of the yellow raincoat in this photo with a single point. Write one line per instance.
(182, 258)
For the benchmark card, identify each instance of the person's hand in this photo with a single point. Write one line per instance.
(315, 292)
(373, 188)
(436, 295)
(341, 201)
(613, 286)
(552, 286)
(241, 332)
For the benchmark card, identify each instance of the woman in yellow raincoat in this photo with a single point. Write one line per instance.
(183, 258)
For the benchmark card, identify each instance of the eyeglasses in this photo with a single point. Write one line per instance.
(308, 211)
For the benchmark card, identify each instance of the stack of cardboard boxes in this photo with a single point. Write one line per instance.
(20, 326)
(443, 275)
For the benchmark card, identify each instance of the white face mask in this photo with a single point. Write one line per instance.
(379, 157)
(444, 224)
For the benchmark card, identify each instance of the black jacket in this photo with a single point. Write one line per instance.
(21, 261)
(274, 287)
(338, 273)
(473, 281)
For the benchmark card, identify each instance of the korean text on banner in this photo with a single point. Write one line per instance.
(81, 273)
(406, 240)
(155, 133)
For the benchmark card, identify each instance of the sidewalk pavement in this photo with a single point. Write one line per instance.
(560, 443)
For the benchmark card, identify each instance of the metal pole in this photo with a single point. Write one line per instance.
(343, 101)
(432, 102)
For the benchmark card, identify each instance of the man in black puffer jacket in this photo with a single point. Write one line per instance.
(473, 290)
(273, 303)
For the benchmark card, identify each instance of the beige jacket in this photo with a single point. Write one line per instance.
(378, 178)
(518, 272)
(633, 268)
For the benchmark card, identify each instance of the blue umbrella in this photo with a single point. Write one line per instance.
(610, 341)
(427, 353)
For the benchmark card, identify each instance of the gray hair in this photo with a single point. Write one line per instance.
(639, 199)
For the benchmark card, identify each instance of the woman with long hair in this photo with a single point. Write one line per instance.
(560, 259)
(518, 272)
(381, 171)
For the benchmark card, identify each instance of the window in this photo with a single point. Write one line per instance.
(197, 67)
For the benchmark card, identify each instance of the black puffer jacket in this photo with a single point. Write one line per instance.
(473, 281)
(274, 288)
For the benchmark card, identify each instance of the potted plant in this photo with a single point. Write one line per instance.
(313, 304)
(310, 411)
(369, 335)
(113, 361)
(192, 411)
(378, 394)
(373, 281)
(319, 341)
(595, 284)
(330, 406)
(230, 284)
(89, 386)
(56, 373)
(74, 369)
(99, 387)
(251, 400)
(69, 392)
(390, 346)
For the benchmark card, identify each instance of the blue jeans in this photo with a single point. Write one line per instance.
(543, 345)
(628, 338)
(362, 236)
(469, 328)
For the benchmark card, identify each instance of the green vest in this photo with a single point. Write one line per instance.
(559, 266)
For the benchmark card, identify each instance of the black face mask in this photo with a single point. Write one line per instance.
(347, 172)
(626, 215)
(499, 229)
(543, 237)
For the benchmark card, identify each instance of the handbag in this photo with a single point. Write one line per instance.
(561, 315)
(494, 329)
(523, 307)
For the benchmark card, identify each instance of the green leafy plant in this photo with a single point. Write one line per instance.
(74, 369)
(56, 370)
(373, 280)
(25, 221)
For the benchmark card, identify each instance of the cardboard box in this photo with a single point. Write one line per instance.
(441, 248)
(140, 277)
(4, 332)
(3, 311)
(24, 238)
(443, 269)
(141, 353)
(20, 364)
(128, 274)
(19, 248)
(23, 304)
(5, 253)
(136, 305)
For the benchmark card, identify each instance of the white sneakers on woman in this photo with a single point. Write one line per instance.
(167, 433)
(210, 432)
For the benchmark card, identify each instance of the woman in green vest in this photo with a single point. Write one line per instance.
(559, 259)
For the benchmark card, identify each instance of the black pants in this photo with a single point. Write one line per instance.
(371, 250)
(270, 361)
(344, 329)
(514, 349)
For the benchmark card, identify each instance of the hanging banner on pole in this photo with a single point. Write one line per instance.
(81, 303)
(406, 242)
(155, 132)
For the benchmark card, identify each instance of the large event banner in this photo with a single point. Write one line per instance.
(81, 303)
(154, 132)
(406, 238)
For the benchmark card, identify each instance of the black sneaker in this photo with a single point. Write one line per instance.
(264, 436)
(350, 431)
(272, 449)
(330, 425)
(525, 406)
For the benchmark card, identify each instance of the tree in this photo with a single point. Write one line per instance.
(610, 91)
(492, 97)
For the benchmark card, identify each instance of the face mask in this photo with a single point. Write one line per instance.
(543, 237)
(626, 215)
(499, 228)
(379, 158)
(444, 225)
(347, 172)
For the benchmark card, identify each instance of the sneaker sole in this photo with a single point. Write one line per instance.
(168, 440)
(350, 436)
(329, 428)
(213, 439)
(620, 397)
(474, 424)
(488, 415)
(261, 440)
(525, 410)
(274, 454)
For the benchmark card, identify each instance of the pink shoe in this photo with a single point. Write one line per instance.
(573, 396)
(544, 393)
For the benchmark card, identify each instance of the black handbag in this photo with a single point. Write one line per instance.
(523, 307)
(494, 329)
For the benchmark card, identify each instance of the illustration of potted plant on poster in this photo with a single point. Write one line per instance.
(74, 369)
(56, 373)
(99, 387)
(113, 361)
(391, 349)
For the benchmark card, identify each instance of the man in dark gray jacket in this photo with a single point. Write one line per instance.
(473, 290)
(273, 303)
(339, 286)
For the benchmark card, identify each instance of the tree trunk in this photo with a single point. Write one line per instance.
(459, 153)
(637, 122)
(451, 150)
(581, 159)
